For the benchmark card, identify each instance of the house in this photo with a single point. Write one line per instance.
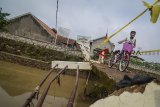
(64, 41)
(29, 26)
(96, 42)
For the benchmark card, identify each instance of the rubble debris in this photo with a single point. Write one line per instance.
(149, 97)
(136, 80)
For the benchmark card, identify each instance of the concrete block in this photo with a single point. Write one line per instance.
(72, 65)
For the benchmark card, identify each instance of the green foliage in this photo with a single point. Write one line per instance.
(3, 20)
(149, 65)
(35, 52)
(135, 61)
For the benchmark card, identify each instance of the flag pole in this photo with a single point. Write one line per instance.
(67, 42)
(56, 23)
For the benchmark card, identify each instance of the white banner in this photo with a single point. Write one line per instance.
(83, 38)
(63, 32)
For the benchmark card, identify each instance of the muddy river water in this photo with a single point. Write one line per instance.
(17, 82)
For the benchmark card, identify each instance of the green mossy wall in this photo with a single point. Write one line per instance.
(35, 52)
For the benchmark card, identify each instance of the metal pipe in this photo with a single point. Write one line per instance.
(41, 83)
(0, 10)
(41, 100)
(73, 94)
(34, 93)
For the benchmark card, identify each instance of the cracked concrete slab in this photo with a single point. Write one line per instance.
(150, 98)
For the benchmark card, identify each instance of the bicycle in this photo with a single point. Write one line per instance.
(121, 57)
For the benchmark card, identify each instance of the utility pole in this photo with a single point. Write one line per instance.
(107, 33)
(56, 23)
(0, 10)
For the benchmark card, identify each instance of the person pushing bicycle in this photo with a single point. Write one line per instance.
(122, 57)
(131, 41)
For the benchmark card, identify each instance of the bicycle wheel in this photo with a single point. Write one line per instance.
(111, 61)
(124, 62)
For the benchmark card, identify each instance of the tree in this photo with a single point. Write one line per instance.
(3, 19)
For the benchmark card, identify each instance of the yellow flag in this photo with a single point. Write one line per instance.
(147, 4)
(155, 12)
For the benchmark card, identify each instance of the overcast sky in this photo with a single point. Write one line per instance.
(93, 18)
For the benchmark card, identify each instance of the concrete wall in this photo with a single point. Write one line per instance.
(72, 65)
(26, 26)
(97, 42)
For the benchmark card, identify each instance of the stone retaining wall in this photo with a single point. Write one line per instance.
(144, 69)
(24, 61)
(41, 43)
(36, 63)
